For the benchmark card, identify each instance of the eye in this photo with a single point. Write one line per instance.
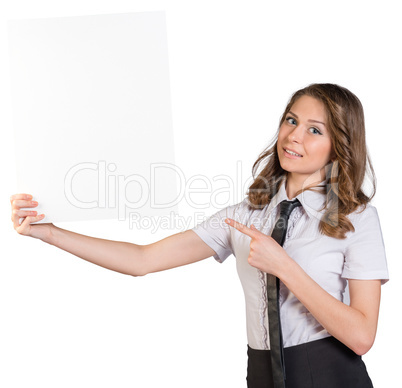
(315, 131)
(291, 120)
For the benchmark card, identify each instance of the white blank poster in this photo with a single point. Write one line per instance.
(92, 115)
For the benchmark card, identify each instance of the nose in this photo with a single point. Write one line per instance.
(296, 135)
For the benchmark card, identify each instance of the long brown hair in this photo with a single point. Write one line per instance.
(345, 175)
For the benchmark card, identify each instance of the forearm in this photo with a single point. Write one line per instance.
(118, 256)
(344, 322)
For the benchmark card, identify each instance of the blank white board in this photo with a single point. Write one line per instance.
(92, 115)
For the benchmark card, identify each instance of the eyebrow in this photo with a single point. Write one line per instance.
(313, 121)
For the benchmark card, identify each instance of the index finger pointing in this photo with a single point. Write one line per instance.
(240, 227)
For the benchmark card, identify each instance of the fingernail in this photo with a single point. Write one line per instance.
(28, 196)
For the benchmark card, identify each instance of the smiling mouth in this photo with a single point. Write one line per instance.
(292, 153)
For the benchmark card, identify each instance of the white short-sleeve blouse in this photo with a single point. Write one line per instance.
(327, 260)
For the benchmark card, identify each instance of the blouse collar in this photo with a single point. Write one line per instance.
(313, 201)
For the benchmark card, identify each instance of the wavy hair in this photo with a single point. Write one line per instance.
(344, 176)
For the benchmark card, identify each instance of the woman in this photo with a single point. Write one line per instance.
(332, 237)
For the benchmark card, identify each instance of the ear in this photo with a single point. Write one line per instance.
(331, 160)
(332, 156)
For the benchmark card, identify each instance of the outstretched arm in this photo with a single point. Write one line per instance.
(354, 325)
(128, 258)
(132, 259)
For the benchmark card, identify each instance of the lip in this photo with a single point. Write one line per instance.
(289, 155)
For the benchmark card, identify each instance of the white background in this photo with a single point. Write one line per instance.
(233, 66)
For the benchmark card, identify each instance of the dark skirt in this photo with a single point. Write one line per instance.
(325, 363)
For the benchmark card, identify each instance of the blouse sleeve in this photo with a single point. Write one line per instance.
(215, 232)
(365, 251)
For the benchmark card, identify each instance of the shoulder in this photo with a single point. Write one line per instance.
(366, 223)
(230, 211)
(242, 208)
(363, 214)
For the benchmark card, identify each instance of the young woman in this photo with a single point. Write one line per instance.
(332, 239)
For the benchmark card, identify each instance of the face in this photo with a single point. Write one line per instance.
(304, 143)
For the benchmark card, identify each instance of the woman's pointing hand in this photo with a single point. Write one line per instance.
(265, 253)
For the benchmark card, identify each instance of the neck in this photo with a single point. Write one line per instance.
(296, 182)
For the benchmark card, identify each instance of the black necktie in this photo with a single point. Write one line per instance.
(275, 330)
